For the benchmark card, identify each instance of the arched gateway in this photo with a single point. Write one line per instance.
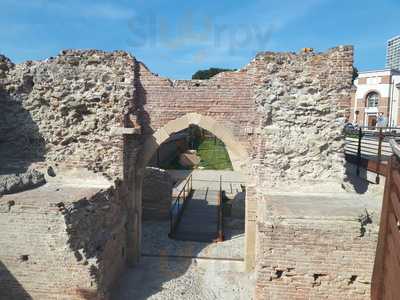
(237, 152)
(223, 105)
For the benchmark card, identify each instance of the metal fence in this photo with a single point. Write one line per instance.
(369, 148)
(178, 206)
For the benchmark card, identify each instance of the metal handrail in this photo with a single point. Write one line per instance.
(176, 210)
(220, 226)
(380, 155)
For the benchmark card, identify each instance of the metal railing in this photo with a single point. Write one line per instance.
(220, 225)
(368, 147)
(175, 213)
(386, 271)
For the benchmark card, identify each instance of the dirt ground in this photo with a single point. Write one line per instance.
(171, 269)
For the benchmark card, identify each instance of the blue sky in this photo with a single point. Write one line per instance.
(176, 38)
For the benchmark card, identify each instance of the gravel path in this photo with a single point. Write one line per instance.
(177, 278)
(173, 269)
(155, 241)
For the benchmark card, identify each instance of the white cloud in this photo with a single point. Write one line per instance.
(105, 11)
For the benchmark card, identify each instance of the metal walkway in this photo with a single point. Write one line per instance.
(199, 220)
(197, 215)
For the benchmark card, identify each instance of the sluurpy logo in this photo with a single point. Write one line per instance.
(203, 33)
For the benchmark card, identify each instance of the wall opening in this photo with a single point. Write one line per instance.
(172, 139)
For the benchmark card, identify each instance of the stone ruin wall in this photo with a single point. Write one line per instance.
(281, 106)
(60, 113)
(71, 102)
(303, 100)
(62, 110)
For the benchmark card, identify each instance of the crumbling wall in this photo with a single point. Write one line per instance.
(303, 99)
(300, 99)
(60, 242)
(63, 109)
(283, 107)
(62, 112)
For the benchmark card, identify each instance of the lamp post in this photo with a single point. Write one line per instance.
(357, 112)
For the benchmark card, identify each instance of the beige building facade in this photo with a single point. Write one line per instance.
(377, 92)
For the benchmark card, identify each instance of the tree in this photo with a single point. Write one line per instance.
(207, 74)
(355, 73)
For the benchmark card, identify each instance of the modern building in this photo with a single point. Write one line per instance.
(377, 92)
(393, 53)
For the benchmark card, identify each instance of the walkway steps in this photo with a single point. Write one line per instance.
(199, 220)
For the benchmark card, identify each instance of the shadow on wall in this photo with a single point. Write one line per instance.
(10, 288)
(135, 115)
(104, 241)
(20, 140)
(141, 100)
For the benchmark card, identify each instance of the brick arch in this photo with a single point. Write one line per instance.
(237, 152)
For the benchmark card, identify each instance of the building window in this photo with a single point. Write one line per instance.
(372, 99)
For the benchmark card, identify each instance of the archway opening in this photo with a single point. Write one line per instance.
(190, 149)
(186, 182)
(167, 171)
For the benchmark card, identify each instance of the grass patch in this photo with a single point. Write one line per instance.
(213, 155)
(212, 152)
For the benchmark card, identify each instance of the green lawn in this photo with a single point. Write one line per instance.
(213, 155)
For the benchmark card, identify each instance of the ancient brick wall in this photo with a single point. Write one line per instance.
(311, 254)
(156, 194)
(282, 106)
(316, 247)
(227, 98)
(71, 245)
(315, 260)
